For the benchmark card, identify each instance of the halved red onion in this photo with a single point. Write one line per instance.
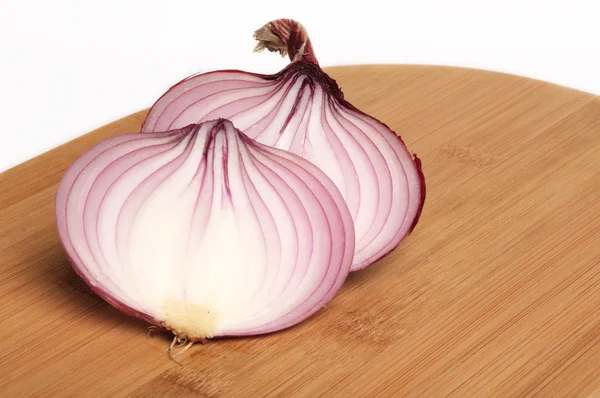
(302, 110)
(204, 232)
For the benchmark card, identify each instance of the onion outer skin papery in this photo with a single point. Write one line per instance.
(301, 109)
(204, 232)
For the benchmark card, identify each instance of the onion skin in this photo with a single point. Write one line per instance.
(220, 160)
(363, 156)
(288, 37)
(423, 190)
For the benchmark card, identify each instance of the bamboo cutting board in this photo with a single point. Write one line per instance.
(496, 292)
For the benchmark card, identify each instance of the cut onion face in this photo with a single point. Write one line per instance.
(204, 232)
(302, 110)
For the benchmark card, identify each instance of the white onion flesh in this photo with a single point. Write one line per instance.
(205, 232)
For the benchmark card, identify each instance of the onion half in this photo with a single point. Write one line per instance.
(302, 110)
(204, 232)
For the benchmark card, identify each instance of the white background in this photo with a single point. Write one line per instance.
(69, 66)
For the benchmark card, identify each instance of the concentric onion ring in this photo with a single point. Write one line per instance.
(302, 110)
(205, 232)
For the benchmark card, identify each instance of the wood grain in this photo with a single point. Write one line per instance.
(496, 293)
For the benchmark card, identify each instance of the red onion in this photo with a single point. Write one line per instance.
(204, 232)
(301, 109)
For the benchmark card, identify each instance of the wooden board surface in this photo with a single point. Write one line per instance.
(496, 292)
